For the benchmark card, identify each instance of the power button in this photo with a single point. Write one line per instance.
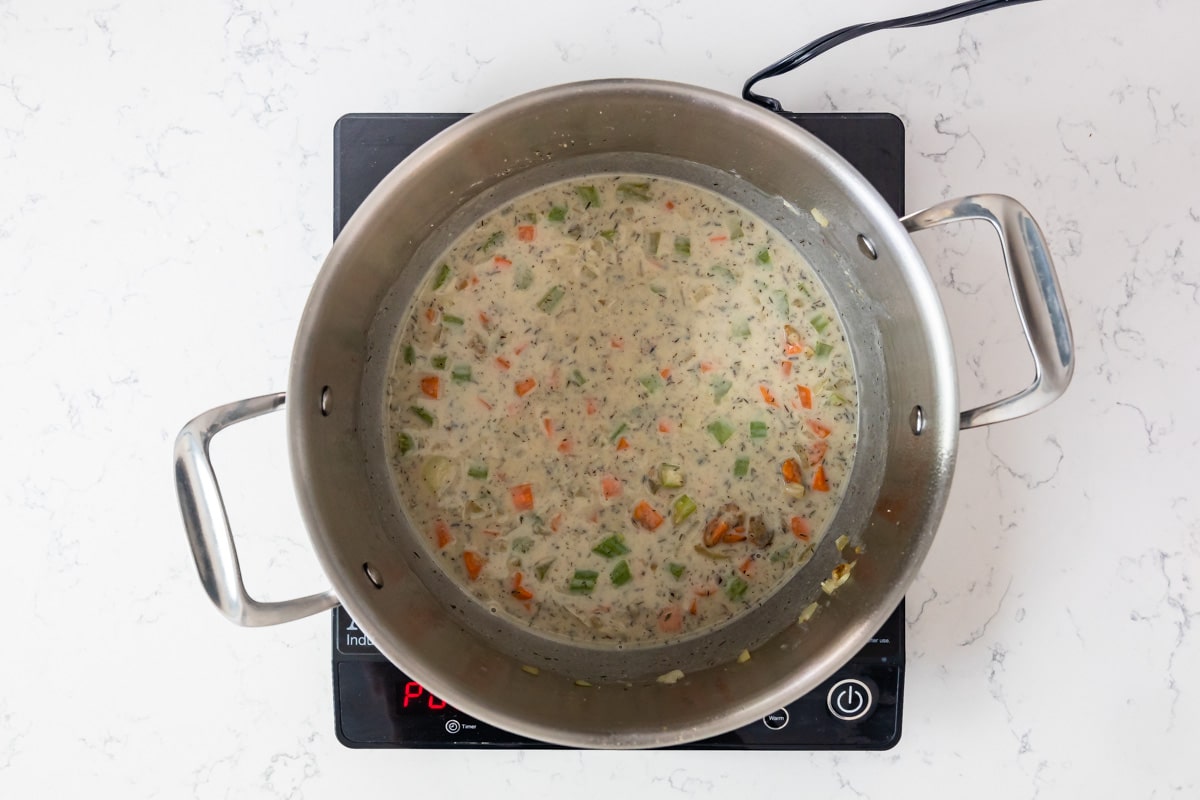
(851, 699)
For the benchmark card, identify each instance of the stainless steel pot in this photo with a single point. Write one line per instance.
(905, 368)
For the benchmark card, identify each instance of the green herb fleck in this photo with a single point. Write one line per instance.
(616, 434)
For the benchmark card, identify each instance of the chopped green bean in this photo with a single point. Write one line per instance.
(720, 430)
(493, 240)
(652, 240)
(651, 383)
(443, 275)
(736, 588)
(723, 272)
(551, 299)
(763, 257)
(422, 415)
(683, 246)
(588, 195)
(438, 362)
(583, 581)
(741, 468)
(821, 349)
(676, 570)
(779, 300)
(820, 322)
(557, 213)
(478, 471)
(609, 235)
(661, 291)
(616, 434)
(410, 355)
(741, 331)
(634, 191)
(670, 476)
(523, 278)
(522, 544)
(404, 443)
(734, 224)
(540, 569)
(612, 547)
(620, 574)
(452, 319)
(461, 373)
(682, 508)
(836, 399)
(758, 430)
(720, 388)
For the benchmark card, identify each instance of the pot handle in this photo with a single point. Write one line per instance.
(1037, 294)
(207, 523)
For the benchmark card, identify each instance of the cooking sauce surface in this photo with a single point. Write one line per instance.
(621, 410)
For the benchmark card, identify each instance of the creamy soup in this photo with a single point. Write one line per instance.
(622, 410)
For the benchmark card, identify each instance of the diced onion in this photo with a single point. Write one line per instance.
(744, 656)
(807, 613)
(670, 677)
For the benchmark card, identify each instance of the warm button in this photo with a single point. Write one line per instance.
(777, 720)
(851, 699)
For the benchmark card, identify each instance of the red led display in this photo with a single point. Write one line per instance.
(416, 696)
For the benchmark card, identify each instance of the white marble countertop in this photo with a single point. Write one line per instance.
(165, 191)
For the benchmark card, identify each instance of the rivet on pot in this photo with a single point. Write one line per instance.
(916, 419)
(373, 575)
(325, 401)
(867, 247)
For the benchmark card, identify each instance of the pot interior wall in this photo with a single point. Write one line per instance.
(442, 638)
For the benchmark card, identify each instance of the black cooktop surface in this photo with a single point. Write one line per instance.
(377, 705)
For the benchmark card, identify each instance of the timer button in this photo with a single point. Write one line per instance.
(453, 726)
(851, 699)
(777, 720)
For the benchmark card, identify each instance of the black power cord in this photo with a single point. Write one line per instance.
(832, 40)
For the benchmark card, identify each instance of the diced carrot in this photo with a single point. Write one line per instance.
(819, 482)
(816, 452)
(670, 619)
(670, 205)
(502, 362)
(548, 424)
(556, 522)
(747, 566)
(692, 607)
(484, 403)
(565, 446)
(715, 530)
(431, 386)
(526, 233)
(665, 425)
(800, 528)
(622, 443)
(591, 406)
(791, 471)
(502, 262)
(442, 531)
(485, 320)
(521, 348)
(733, 537)
(617, 342)
(610, 486)
(818, 428)
(525, 386)
(786, 366)
(431, 314)
(520, 591)
(793, 349)
(715, 239)
(707, 366)
(595, 517)
(474, 564)
(490, 532)
(665, 372)
(805, 396)
(522, 497)
(708, 590)
(645, 515)
(767, 397)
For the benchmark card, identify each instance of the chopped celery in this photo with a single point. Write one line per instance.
(540, 569)
(683, 246)
(493, 240)
(611, 547)
(741, 331)
(836, 399)
(652, 240)
(658, 290)
(576, 378)
(670, 476)
(720, 388)
(404, 443)
(588, 195)
(438, 362)
(651, 383)
(779, 299)
(763, 257)
(758, 430)
(478, 471)
(676, 570)
(609, 235)
(523, 278)
(783, 555)
(821, 349)
(551, 299)
(741, 468)
(522, 544)
(583, 581)
(820, 322)
(734, 224)
(682, 508)
(724, 272)
(634, 191)
(721, 431)
(620, 574)
(461, 373)
(736, 588)
(422, 415)
(616, 434)
(557, 213)
(452, 319)
(530, 217)
(443, 275)
(409, 354)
